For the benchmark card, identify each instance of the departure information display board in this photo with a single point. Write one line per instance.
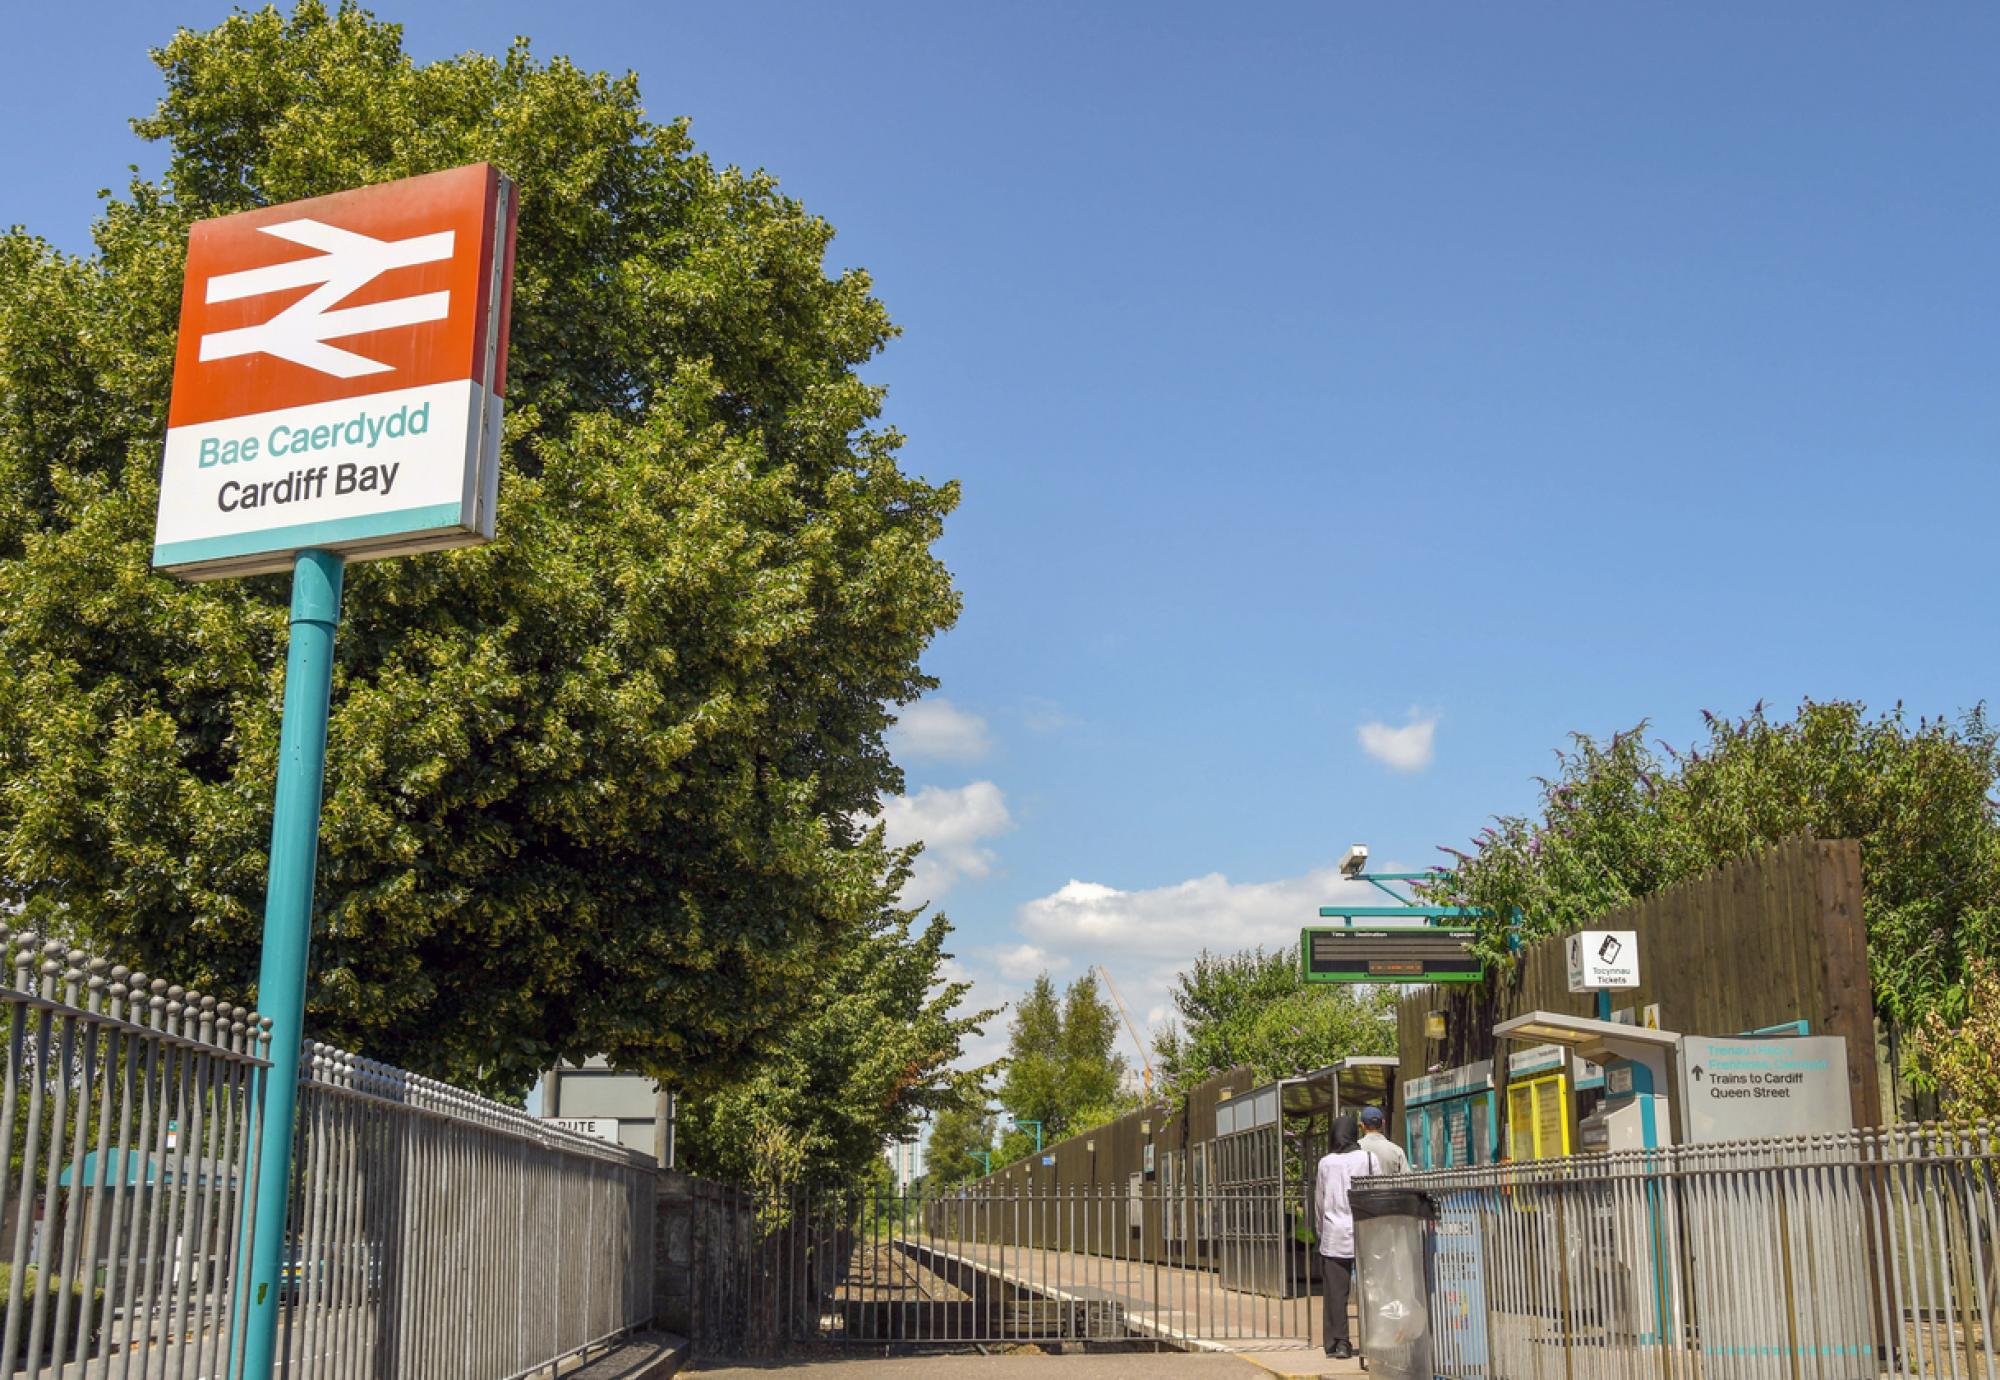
(1405, 954)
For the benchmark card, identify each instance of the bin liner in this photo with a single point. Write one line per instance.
(1393, 1281)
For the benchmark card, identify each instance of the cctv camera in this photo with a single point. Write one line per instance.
(1355, 861)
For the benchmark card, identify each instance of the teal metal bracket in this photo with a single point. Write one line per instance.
(1022, 1121)
(1378, 880)
(1352, 913)
(1798, 1029)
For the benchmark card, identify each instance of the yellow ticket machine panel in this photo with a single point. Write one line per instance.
(1539, 1113)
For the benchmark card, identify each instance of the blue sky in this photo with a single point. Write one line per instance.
(1479, 373)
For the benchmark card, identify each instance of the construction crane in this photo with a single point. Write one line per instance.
(1145, 1060)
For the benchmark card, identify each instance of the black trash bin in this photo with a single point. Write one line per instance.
(1391, 1258)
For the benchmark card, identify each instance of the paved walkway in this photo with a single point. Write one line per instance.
(1133, 1366)
(1136, 1366)
(1187, 1307)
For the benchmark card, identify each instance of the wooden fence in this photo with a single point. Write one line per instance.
(1773, 937)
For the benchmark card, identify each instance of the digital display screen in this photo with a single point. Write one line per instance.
(1412, 953)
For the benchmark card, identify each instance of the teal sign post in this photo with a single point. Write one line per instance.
(281, 978)
(306, 432)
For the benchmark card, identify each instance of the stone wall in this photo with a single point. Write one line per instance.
(673, 1253)
(737, 1281)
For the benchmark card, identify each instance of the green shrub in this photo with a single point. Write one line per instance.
(31, 1283)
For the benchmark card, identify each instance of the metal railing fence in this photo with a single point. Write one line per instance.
(432, 1233)
(984, 1265)
(436, 1234)
(125, 1135)
(1839, 1257)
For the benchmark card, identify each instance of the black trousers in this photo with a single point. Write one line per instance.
(1336, 1279)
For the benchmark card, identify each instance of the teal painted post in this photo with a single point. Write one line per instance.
(1603, 1005)
(281, 980)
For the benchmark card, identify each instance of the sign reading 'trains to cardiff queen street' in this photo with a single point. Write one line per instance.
(339, 377)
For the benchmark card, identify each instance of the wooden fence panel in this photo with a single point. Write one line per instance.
(1776, 936)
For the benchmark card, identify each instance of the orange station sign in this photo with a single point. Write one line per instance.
(339, 377)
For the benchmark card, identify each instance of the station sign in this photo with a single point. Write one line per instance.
(1603, 959)
(338, 379)
(599, 1127)
(1736, 1088)
(1403, 954)
(1463, 1081)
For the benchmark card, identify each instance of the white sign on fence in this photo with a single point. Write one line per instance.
(1741, 1089)
(1600, 959)
(602, 1127)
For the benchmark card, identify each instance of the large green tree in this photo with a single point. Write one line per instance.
(601, 786)
(1251, 1007)
(1063, 1068)
(1622, 818)
(871, 1055)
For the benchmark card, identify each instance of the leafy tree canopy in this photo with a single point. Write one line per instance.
(1619, 820)
(1252, 1008)
(955, 1135)
(871, 1055)
(1062, 1066)
(1959, 1055)
(593, 788)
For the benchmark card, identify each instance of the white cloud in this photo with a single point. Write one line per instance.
(987, 993)
(1045, 716)
(937, 730)
(1147, 937)
(952, 824)
(1024, 961)
(1178, 920)
(1408, 749)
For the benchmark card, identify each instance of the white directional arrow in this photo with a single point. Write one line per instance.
(346, 262)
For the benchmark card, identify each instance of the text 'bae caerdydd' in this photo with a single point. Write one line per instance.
(362, 431)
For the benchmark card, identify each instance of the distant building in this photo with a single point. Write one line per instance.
(906, 1162)
(599, 1100)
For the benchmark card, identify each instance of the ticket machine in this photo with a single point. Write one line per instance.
(1551, 1098)
(1636, 1063)
(1641, 1288)
(1636, 1114)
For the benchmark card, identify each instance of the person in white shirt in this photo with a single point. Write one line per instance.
(1338, 1170)
(1389, 1156)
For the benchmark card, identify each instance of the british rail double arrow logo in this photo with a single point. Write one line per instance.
(346, 263)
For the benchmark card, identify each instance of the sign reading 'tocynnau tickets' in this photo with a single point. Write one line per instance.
(339, 377)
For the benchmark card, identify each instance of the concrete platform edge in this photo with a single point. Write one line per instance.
(641, 1356)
